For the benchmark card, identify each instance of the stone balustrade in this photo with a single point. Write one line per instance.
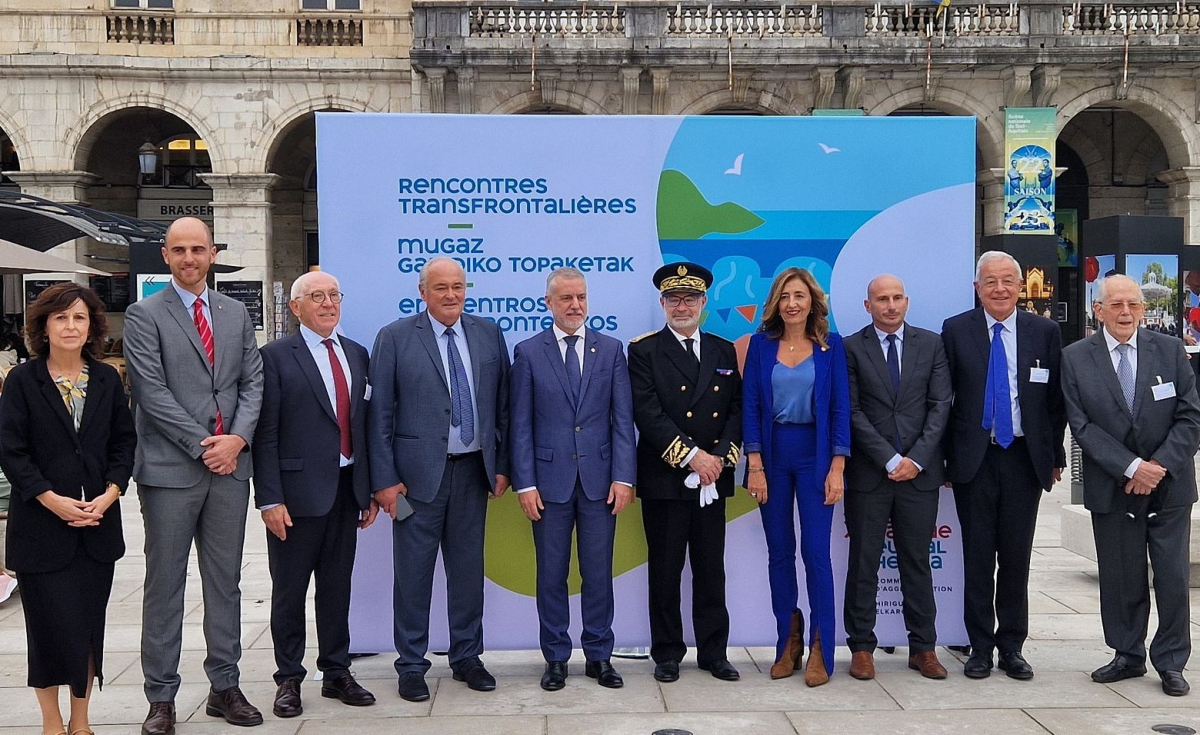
(141, 28)
(579, 22)
(1093, 20)
(777, 21)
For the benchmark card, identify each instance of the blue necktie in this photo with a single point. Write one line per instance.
(574, 374)
(997, 403)
(1125, 374)
(461, 414)
(893, 365)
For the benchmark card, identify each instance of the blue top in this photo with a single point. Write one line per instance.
(792, 388)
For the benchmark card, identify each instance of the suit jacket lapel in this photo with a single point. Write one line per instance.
(875, 356)
(227, 334)
(312, 373)
(1024, 351)
(591, 352)
(908, 360)
(358, 379)
(708, 368)
(475, 348)
(550, 347)
(673, 350)
(979, 333)
(180, 313)
(1146, 377)
(1104, 368)
(96, 390)
(428, 337)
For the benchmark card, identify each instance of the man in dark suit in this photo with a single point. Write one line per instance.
(196, 378)
(687, 397)
(1131, 400)
(573, 463)
(1004, 446)
(899, 403)
(312, 484)
(437, 435)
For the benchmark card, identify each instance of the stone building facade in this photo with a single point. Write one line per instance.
(225, 90)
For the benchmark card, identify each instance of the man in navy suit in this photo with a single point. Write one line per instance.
(313, 486)
(573, 465)
(1004, 446)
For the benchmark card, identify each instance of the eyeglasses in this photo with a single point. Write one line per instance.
(675, 300)
(319, 297)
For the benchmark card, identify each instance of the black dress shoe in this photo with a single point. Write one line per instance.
(667, 671)
(555, 676)
(413, 688)
(160, 720)
(1120, 668)
(1015, 665)
(604, 674)
(343, 686)
(722, 670)
(979, 666)
(232, 705)
(1173, 683)
(287, 699)
(475, 675)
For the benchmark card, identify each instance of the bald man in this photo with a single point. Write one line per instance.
(197, 380)
(899, 403)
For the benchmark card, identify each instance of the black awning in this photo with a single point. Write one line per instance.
(41, 224)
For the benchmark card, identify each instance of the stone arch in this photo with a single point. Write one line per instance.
(1167, 118)
(756, 100)
(79, 138)
(989, 135)
(16, 134)
(566, 99)
(266, 143)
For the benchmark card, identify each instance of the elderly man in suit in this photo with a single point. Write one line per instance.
(1004, 446)
(573, 469)
(196, 376)
(688, 408)
(899, 403)
(312, 484)
(1131, 400)
(437, 436)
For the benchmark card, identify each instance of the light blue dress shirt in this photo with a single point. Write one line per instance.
(454, 444)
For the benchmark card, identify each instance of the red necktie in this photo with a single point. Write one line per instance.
(342, 392)
(206, 339)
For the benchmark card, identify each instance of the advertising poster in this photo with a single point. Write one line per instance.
(1159, 279)
(514, 197)
(1029, 136)
(1095, 267)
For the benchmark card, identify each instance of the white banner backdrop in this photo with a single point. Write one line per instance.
(513, 197)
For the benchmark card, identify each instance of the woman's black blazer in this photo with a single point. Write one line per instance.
(40, 450)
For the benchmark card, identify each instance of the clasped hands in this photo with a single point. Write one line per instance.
(707, 466)
(1146, 478)
(79, 513)
(221, 453)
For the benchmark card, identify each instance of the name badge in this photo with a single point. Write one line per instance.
(1039, 375)
(1163, 391)
(367, 395)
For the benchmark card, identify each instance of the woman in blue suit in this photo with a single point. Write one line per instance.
(796, 424)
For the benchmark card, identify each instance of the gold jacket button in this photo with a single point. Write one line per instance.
(716, 414)
(689, 414)
(683, 387)
(716, 388)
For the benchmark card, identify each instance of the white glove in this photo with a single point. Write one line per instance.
(708, 493)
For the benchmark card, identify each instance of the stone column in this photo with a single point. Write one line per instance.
(242, 221)
(991, 181)
(65, 187)
(1183, 199)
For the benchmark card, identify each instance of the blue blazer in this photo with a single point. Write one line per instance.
(554, 441)
(831, 396)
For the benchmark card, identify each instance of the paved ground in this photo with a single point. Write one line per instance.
(1065, 644)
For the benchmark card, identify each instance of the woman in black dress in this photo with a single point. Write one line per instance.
(66, 445)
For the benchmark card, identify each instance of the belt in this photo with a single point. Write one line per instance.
(1010, 446)
(464, 455)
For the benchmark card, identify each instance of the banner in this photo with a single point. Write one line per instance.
(1029, 139)
(514, 197)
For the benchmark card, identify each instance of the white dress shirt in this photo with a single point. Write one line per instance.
(189, 301)
(1112, 344)
(454, 442)
(1009, 337)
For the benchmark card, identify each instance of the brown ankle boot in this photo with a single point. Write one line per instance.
(816, 675)
(792, 651)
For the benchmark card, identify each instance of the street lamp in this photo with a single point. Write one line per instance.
(147, 160)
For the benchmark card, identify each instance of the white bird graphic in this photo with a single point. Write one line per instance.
(737, 165)
(829, 149)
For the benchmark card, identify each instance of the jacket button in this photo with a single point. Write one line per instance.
(716, 414)
(578, 429)
(574, 456)
(716, 441)
(78, 452)
(683, 387)
(689, 414)
(716, 388)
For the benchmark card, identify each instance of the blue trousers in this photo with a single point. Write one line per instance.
(792, 483)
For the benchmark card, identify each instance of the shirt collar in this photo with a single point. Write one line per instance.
(1010, 324)
(1113, 343)
(441, 328)
(882, 335)
(560, 335)
(312, 339)
(187, 297)
(681, 338)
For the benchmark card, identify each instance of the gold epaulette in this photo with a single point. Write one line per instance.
(641, 337)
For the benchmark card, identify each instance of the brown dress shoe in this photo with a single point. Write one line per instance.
(287, 699)
(815, 674)
(793, 650)
(862, 665)
(927, 663)
(160, 720)
(231, 704)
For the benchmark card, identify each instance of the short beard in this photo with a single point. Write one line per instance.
(681, 324)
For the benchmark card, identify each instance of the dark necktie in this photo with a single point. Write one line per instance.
(997, 403)
(689, 344)
(893, 364)
(341, 392)
(206, 339)
(461, 414)
(574, 373)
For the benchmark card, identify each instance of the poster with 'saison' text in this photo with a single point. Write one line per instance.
(514, 197)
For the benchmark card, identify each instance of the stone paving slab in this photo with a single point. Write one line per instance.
(758, 723)
(1009, 722)
(1113, 722)
(524, 696)
(1048, 689)
(761, 694)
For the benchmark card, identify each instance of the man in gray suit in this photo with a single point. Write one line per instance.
(1132, 405)
(900, 403)
(437, 435)
(197, 383)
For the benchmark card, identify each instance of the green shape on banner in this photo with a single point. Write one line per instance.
(509, 554)
(684, 213)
